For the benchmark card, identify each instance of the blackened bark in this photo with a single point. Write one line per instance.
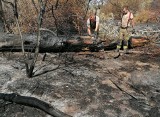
(2, 16)
(68, 45)
(33, 102)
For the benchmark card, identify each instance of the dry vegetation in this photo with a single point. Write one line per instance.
(61, 14)
(68, 16)
(144, 10)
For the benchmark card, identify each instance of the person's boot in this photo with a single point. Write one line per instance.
(116, 53)
(126, 51)
(117, 50)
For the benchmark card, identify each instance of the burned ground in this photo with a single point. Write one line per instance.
(85, 84)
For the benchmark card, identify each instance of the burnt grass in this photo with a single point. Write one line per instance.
(86, 84)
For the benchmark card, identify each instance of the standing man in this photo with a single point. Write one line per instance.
(126, 25)
(93, 24)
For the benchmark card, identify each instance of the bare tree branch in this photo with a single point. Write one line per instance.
(29, 70)
(57, 3)
(34, 4)
(3, 16)
(15, 11)
(8, 3)
(55, 20)
(87, 8)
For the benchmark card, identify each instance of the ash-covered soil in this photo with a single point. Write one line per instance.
(86, 84)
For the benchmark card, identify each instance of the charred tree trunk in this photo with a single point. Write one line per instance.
(33, 102)
(2, 16)
(30, 67)
(17, 22)
(54, 44)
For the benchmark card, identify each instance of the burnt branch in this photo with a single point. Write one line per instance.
(33, 102)
(57, 3)
(8, 3)
(30, 68)
(15, 11)
(14, 6)
(55, 19)
(87, 8)
(34, 4)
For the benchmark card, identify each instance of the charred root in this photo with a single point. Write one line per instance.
(33, 102)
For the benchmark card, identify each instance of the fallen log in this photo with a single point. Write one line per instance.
(51, 43)
(84, 41)
(138, 41)
(33, 102)
(48, 43)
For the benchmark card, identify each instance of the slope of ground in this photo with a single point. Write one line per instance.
(86, 84)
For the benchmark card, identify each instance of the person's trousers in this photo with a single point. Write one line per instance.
(124, 36)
